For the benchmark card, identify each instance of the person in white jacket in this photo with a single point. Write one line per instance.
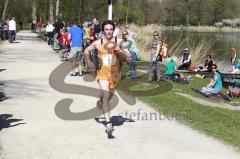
(12, 30)
(49, 31)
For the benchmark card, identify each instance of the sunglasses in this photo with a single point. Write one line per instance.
(125, 34)
(155, 35)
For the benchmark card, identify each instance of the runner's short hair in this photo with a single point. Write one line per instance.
(106, 22)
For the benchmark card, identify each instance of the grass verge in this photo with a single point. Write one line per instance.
(222, 124)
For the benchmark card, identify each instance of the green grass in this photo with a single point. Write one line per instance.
(143, 87)
(222, 124)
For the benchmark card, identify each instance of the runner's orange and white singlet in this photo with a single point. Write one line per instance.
(110, 66)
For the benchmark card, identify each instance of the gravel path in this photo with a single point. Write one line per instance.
(30, 129)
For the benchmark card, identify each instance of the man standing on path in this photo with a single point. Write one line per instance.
(49, 31)
(76, 34)
(12, 30)
(58, 26)
(20, 23)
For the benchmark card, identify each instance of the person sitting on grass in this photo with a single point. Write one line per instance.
(207, 66)
(171, 67)
(186, 60)
(215, 84)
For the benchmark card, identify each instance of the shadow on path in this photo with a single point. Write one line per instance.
(6, 121)
(116, 121)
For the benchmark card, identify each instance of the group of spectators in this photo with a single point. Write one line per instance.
(8, 29)
(72, 40)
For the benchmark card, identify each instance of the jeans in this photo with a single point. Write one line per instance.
(11, 35)
(154, 66)
(206, 90)
(132, 65)
(50, 37)
(184, 66)
(56, 41)
(6, 34)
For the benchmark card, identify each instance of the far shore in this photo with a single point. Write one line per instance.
(202, 28)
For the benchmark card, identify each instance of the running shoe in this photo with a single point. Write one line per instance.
(109, 128)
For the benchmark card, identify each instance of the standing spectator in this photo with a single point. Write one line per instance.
(186, 60)
(33, 26)
(233, 57)
(58, 25)
(1, 31)
(20, 23)
(64, 44)
(97, 27)
(131, 33)
(76, 34)
(129, 44)
(12, 30)
(155, 58)
(86, 34)
(49, 31)
(5, 29)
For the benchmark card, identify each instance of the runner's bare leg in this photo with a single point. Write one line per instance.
(104, 86)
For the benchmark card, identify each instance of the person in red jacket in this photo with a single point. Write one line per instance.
(64, 44)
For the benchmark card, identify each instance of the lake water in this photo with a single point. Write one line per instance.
(222, 41)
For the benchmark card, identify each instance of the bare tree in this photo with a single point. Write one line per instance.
(51, 6)
(5, 9)
(109, 9)
(57, 8)
(34, 10)
(80, 9)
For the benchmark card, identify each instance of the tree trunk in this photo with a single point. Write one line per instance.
(34, 10)
(57, 8)
(109, 9)
(51, 6)
(4, 10)
(80, 9)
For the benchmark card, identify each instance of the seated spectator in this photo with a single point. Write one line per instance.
(207, 66)
(39, 25)
(215, 84)
(171, 66)
(186, 60)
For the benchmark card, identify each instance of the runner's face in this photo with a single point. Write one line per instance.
(108, 30)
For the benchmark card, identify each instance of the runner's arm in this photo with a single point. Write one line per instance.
(87, 53)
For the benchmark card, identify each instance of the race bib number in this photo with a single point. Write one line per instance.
(109, 60)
